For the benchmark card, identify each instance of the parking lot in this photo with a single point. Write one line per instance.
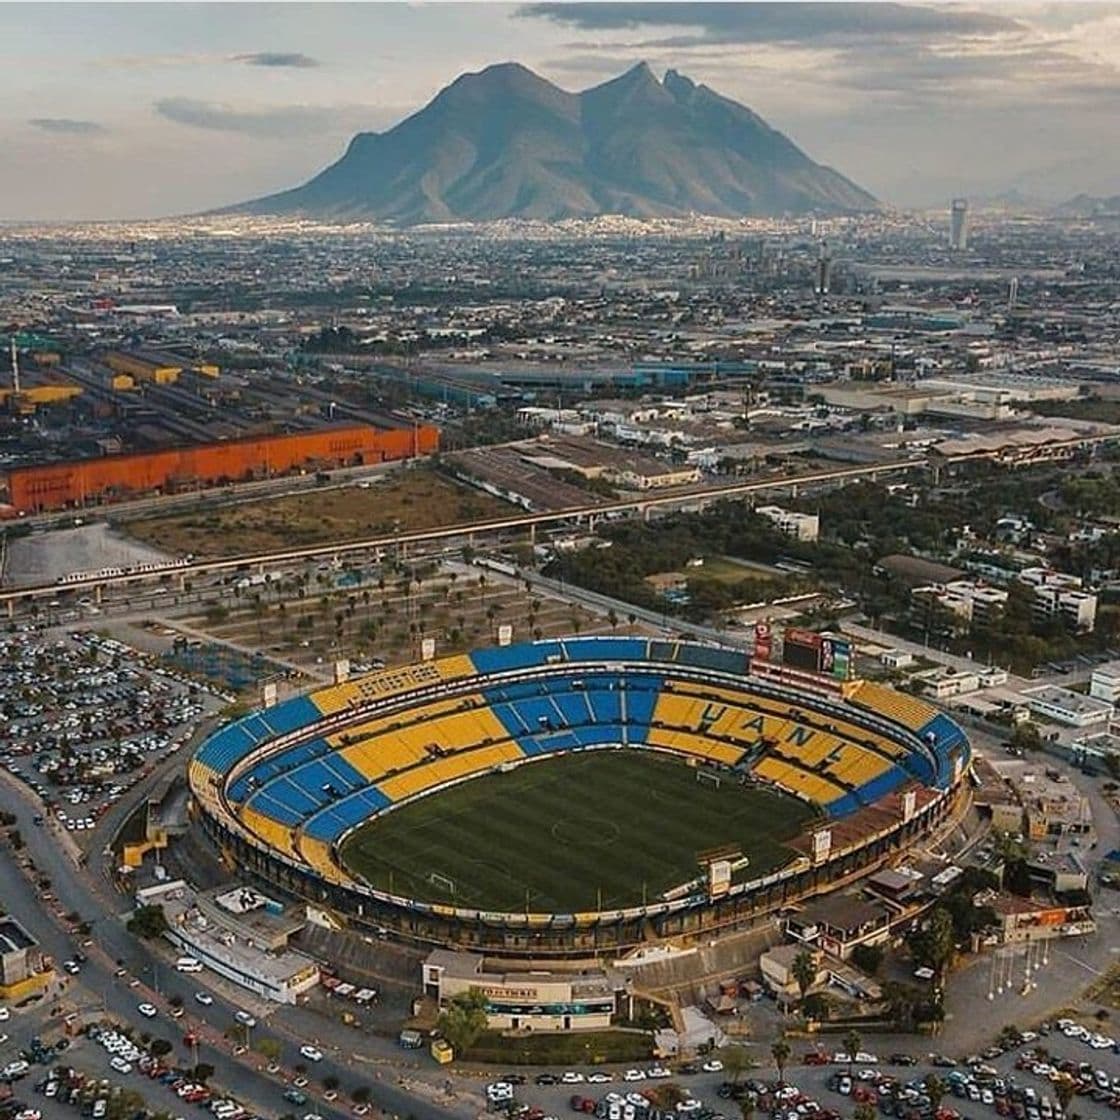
(84, 717)
(1023, 1076)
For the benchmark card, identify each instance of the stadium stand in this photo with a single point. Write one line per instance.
(401, 733)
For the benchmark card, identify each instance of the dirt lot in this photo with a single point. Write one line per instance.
(389, 614)
(409, 500)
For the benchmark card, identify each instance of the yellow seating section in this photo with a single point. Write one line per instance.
(277, 835)
(391, 682)
(698, 746)
(746, 708)
(317, 855)
(447, 769)
(907, 710)
(856, 766)
(788, 777)
(452, 727)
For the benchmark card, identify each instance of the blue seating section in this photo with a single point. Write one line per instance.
(279, 763)
(583, 701)
(943, 735)
(292, 714)
(224, 749)
(538, 714)
(330, 823)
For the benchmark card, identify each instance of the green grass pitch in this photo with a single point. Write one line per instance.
(572, 833)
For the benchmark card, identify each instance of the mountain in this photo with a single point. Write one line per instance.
(506, 143)
(1089, 206)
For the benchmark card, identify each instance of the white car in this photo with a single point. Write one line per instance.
(658, 1072)
(205, 998)
(310, 1053)
(713, 1065)
(572, 1078)
(599, 1078)
(634, 1075)
(5, 1014)
(245, 1018)
(147, 1010)
(120, 1065)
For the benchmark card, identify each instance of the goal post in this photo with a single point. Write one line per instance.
(444, 882)
(709, 776)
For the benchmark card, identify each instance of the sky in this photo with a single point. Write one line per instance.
(135, 110)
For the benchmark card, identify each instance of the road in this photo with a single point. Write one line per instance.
(111, 943)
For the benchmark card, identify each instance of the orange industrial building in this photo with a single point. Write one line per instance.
(114, 477)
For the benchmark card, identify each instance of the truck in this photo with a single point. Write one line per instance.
(410, 1040)
(442, 1051)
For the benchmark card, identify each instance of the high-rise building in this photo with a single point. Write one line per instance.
(958, 229)
(824, 269)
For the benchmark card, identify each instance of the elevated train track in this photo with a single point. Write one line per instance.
(641, 505)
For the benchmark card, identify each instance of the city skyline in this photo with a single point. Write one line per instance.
(146, 110)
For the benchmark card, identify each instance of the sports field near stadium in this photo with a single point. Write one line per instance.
(595, 830)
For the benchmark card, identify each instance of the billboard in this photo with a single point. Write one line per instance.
(801, 649)
(719, 877)
(427, 649)
(836, 658)
(822, 844)
(763, 641)
(909, 803)
(268, 694)
(505, 634)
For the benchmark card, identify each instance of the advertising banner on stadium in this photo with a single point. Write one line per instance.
(801, 649)
(836, 658)
(822, 844)
(763, 641)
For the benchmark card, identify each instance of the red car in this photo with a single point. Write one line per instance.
(816, 1058)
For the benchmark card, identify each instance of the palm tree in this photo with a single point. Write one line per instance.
(1064, 1091)
(780, 1052)
(736, 1061)
(935, 1090)
(852, 1043)
(804, 971)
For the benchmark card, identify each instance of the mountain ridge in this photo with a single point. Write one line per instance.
(504, 142)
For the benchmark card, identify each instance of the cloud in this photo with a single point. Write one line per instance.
(278, 122)
(290, 59)
(774, 22)
(66, 125)
(275, 122)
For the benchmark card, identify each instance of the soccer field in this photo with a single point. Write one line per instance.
(596, 830)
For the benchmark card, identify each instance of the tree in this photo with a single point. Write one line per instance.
(1064, 1090)
(868, 957)
(865, 1110)
(736, 1062)
(780, 1052)
(464, 1020)
(852, 1043)
(804, 971)
(330, 1083)
(203, 1071)
(935, 1090)
(176, 1001)
(932, 944)
(160, 1047)
(360, 1094)
(269, 1048)
(148, 922)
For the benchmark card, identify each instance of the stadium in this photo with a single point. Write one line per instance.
(566, 797)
